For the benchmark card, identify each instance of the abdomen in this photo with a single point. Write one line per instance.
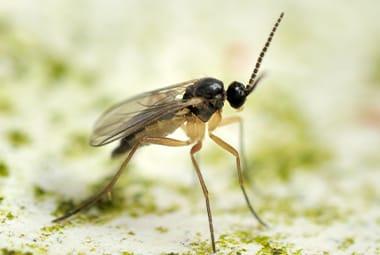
(160, 128)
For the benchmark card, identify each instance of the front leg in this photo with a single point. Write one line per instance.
(224, 145)
(236, 120)
(217, 121)
(233, 120)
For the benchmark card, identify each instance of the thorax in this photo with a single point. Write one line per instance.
(195, 128)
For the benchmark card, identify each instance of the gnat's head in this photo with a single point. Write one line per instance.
(237, 92)
(213, 91)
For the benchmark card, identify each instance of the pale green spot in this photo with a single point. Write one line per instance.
(63, 206)
(6, 251)
(3, 169)
(39, 192)
(10, 216)
(127, 253)
(78, 144)
(18, 138)
(6, 106)
(161, 229)
(346, 243)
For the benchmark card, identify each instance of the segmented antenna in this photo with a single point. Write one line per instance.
(252, 83)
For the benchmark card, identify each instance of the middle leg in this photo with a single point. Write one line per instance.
(194, 150)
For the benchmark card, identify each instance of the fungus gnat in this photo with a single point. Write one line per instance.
(148, 118)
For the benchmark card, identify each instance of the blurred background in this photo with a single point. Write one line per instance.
(311, 129)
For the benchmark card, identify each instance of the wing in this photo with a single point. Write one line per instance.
(131, 115)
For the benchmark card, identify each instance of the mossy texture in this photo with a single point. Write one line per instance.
(4, 172)
(310, 128)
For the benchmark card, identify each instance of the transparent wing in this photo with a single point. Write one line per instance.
(133, 114)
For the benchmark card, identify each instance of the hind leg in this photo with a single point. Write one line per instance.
(107, 189)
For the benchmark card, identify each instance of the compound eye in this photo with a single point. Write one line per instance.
(236, 94)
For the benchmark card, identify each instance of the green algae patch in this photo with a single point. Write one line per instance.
(285, 210)
(288, 209)
(136, 200)
(111, 204)
(77, 145)
(282, 159)
(346, 243)
(5, 251)
(215, 156)
(271, 249)
(233, 242)
(37, 249)
(6, 106)
(18, 138)
(325, 214)
(127, 253)
(30, 58)
(6, 216)
(4, 172)
(288, 141)
(269, 245)
(63, 206)
(10, 216)
(161, 229)
(237, 242)
(53, 228)
(57, 68)
(106, 208)
(196, 247)
(141, 203)
(230, 244)
(102, 102)
(200, 248)
(142, 206)
(40, 193)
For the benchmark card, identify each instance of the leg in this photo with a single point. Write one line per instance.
(232, 120)
(194, 150)
(107, 189)
(234, 152)
(237, 119)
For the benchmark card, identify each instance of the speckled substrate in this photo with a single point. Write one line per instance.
(312, 129)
